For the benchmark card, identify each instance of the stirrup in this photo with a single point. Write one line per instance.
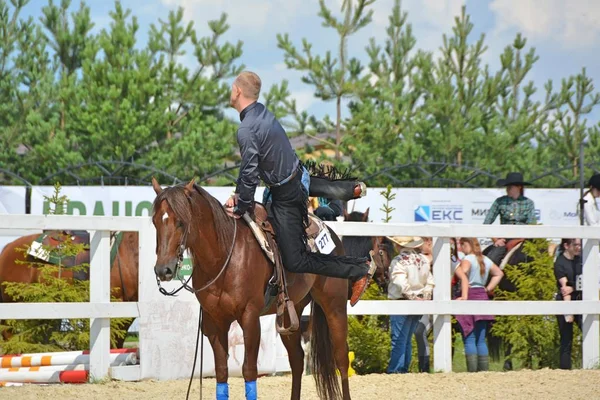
(294, 322)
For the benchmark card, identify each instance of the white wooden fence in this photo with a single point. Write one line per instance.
(100, 310)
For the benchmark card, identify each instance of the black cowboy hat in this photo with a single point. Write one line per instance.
(595, 181)
(513, 178)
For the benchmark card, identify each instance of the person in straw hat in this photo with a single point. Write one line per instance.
(410, 279)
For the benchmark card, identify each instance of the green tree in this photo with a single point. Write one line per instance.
(578, 99)
(332, 78)
(202, 138)
(383, 123)
(534, 338)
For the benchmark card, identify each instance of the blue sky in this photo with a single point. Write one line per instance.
(566, 34)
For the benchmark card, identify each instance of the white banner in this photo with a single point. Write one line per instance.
(12, 201)
(469, 206)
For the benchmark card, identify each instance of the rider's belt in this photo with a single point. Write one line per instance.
(286, 180)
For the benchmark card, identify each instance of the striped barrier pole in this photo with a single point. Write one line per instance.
(36, 375)
(77, 352)
(38, 360)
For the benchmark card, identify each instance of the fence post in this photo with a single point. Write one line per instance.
(442, 327)
(590, 328)
(147, 285)
(99, 293)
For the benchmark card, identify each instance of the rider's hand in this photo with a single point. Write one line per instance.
(229, 211)
(231, 201)
(500, 242)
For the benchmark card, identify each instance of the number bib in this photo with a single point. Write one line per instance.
(324, 242)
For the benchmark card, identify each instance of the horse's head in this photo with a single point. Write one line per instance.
(171, 217)
(381, 246)
(357, 216)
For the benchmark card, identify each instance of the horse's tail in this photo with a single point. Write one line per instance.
(494, 345)
(322, 359)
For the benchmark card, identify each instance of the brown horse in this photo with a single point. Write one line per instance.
(230, 276)
(360, 246)
(15, 267)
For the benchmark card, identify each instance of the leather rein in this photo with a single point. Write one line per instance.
(184, 284)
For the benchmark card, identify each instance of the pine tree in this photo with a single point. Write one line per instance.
(332, 78)
(384, 118)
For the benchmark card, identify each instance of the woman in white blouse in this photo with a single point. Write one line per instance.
(410, 279)
(591, 212)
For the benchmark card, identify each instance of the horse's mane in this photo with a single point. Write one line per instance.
(359, 246)
(179, 202)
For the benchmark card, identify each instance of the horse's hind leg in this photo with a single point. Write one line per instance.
(295, 352)
(293, 345)
(334, 308)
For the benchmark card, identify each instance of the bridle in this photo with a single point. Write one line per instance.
(181, 250)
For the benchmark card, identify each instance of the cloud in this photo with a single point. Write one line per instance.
(304, 99)
(252, 17)
(429, 18)
(573, 24)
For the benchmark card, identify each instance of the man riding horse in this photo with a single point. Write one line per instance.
(514, 209)
(266, 152)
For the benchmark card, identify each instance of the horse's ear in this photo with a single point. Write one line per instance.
(190, 186)
(156, 186)
(365, 217)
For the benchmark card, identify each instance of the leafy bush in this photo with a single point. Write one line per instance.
(534, 338)
(369, 338)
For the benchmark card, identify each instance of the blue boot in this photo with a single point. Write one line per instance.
(222, 391)
(251, 393)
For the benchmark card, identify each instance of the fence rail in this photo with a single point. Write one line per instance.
(100, 310)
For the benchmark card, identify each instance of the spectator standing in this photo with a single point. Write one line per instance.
(591, 212)
(567, 270)
(473, 273)
(410, 279)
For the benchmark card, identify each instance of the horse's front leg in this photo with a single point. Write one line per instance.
(250, 323)
(218, 337)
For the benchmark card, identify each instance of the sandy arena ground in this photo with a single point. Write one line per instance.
(529, 385)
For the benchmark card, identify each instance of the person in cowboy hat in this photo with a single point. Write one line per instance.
(591, 212)
(513, 208)
(410, 279)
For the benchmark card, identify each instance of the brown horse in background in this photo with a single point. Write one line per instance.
(360, 246)
(230, 277)
(15, 267)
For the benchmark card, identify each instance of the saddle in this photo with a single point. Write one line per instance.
(513, 243)
(56, 239)
(277, 286)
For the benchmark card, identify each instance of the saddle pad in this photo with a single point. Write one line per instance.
(38, 248)
(319, 239)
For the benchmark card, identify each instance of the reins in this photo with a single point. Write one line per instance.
(184, 284)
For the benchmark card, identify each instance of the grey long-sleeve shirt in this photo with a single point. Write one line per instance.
(266, 152)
